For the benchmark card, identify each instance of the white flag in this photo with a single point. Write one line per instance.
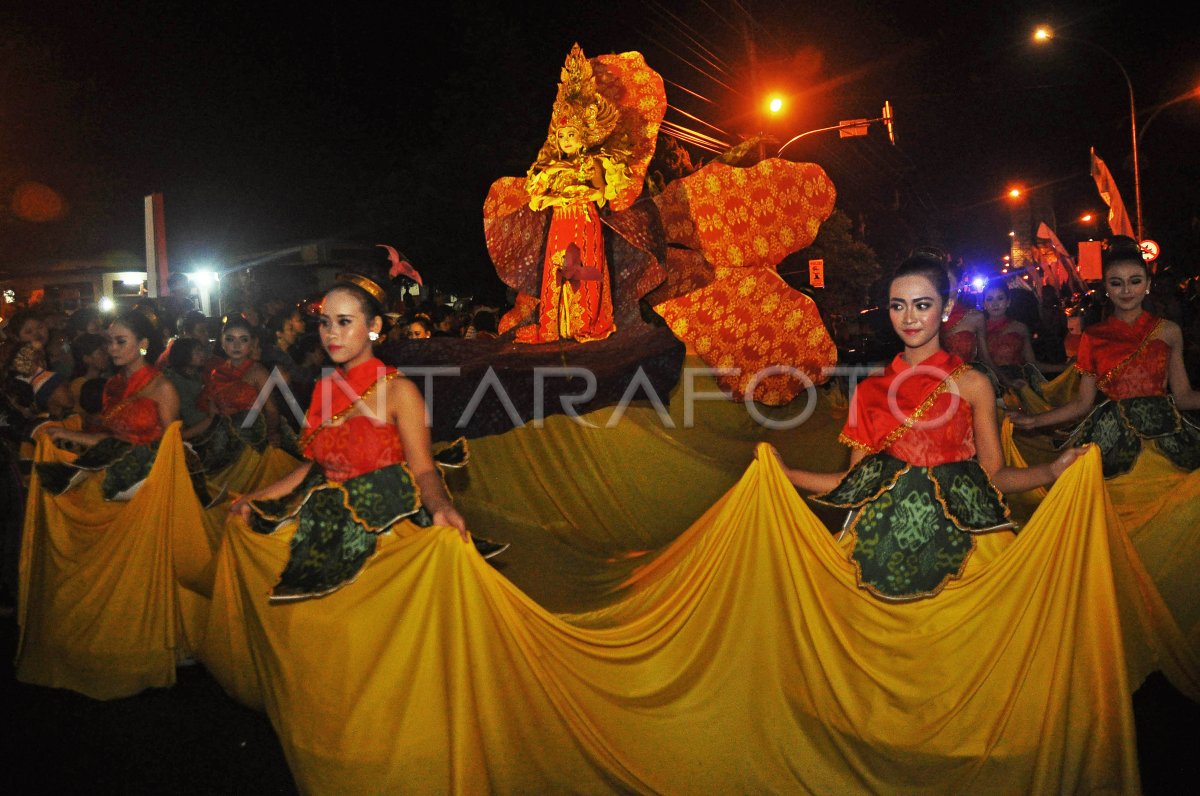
(1064, 257)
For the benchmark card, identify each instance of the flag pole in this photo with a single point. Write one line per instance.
(156, 247)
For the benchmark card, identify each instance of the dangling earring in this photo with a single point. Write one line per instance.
(143, 351)
(372, 336)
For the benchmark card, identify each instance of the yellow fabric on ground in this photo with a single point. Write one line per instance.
(582, 501)
(1159, 506)
(743, 659)
(1156, 508)
(253, 470)
(111, 592)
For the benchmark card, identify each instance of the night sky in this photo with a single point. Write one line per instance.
(266, 125)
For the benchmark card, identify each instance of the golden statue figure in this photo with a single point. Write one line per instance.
(590, 254)
(573, 177)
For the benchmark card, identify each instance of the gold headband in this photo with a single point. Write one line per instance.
(373, 290)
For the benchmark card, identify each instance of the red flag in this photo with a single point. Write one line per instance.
(400, 265)
(1118, 217)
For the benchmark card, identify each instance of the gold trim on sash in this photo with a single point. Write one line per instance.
(909, 422)
(337, 418)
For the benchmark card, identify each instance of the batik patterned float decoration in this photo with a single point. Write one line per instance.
(703, 253)
(601, 138)
(741, 223)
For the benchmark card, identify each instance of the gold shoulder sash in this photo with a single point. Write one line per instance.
(911, 421)
(333, 420)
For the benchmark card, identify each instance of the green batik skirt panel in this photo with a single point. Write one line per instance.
(914, 526)
(1121, 427)
(338, 522)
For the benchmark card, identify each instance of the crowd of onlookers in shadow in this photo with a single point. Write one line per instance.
(48, 355)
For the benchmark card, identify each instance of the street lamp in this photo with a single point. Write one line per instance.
(205, 278)
(1044, 34)
(772, 106)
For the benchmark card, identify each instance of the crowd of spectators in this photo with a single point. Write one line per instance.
(49, 356)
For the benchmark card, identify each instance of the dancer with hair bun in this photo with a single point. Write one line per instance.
(115, 554)
(1149, 441)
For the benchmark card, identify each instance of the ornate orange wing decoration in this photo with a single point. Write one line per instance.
(739, 217)
(637, 90)
(745, 317)
(753, 322)
(514, 234)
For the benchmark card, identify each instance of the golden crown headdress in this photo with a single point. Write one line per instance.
(578, 103)
(369, 286)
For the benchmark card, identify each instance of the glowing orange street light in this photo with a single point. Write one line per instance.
(775, 105)
(1086, 218)
(1014, 193)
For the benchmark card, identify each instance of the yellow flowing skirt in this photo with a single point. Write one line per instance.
(253, 470)
(249, 472)
(584, 500)
(1058, 391)
(113, 594)
(1158, 508)
(742, 659)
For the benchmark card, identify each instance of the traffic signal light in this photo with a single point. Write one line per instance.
(887, 121)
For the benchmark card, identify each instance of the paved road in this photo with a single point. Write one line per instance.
(190, 739)
(193, 739)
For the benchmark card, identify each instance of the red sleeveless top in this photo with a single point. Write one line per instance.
(1125, 358)
(912, 413)
(226, 390)
(1005, 348)
(359, 444)
(354, 447)
(963, 344)
(128, 416)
